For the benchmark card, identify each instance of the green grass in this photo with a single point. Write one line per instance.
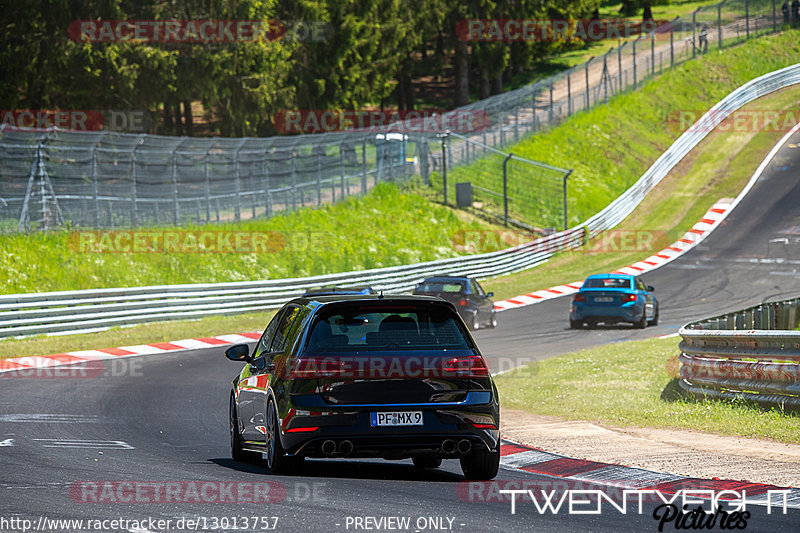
(388, 226)
(718, 168)
(621, 384)
(610, 146)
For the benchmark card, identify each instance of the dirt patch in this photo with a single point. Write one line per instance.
(682, 452)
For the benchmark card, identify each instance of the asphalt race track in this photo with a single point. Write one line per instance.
(163, 418)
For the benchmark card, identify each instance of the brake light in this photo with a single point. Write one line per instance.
(579, 298)
(462, 302)
(302, 430)
(471, 366)
(630, 297)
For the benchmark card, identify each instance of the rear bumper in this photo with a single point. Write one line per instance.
(441, 422)
(629, 313)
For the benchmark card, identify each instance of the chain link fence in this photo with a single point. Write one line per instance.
(108, 179)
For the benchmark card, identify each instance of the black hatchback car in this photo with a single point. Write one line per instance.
(393, 377)
(468, 297)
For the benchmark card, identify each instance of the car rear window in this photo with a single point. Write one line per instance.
(607, 283)
(442, 287)
(387, 328)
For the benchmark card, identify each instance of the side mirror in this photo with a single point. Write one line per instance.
(238, 352)
(650, 288)
(489, 294)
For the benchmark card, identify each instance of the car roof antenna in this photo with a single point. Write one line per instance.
(381, 294)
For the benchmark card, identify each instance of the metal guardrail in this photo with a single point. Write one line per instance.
(71, 311)
(624, 205)
(751, 354)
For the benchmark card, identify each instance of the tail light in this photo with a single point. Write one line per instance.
(462, 302)
(579, 298)
(630, 297)
(302, 430)
(471, 366)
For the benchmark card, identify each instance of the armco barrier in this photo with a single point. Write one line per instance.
(31, 314)
(752, 354)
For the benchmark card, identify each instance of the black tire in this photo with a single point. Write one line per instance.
(427, 462)
(493, 322)
(237, 453)
(641, 324)
(476, 323)
(276, 459)
(654, 321)
(481, 464)
(575, 324)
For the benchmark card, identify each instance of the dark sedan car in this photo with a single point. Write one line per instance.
(467, 296)
(366, 376)
(613, 298)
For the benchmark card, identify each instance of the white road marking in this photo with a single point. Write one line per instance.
(45, 417)
(6, 443)
(93, 444)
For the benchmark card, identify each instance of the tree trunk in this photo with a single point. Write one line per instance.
(497, 85)
(409, 92)
(168, 123)
(647, 13)
(178, 124)
(187, 117)
(484, 84)
(462, 74)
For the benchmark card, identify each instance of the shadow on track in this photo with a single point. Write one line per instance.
(353, 469)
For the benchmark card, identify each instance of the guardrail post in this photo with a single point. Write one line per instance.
(566, 218)
(207, 187)
(95, 189)
(569, 92)
(747, 19)
(444, 166)
(267, 193)
(364, 167)
(586, 70)
(672, 44)
(176, 214)
(774, 17)
(505, 188)
(319, 175)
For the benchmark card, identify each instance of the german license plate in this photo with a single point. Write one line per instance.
(396, 418)
(603, 299)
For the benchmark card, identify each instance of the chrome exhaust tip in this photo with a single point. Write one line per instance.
(328, 447)
(346, 447)
(448, 446)
(464, 446)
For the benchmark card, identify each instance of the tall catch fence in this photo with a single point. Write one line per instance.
(108, 179)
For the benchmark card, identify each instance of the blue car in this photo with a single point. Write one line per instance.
(613, 298)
